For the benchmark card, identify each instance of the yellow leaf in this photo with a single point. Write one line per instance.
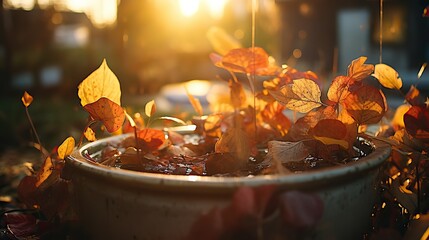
(398, 118)
(387, 76)
(221, 41)
(89, 134)
(26, 99)
(100, 83)
(195, 103)
(358, 70)
(302, 96)
(332, 141)
(150, 108)
(66, 148)
(44, 172)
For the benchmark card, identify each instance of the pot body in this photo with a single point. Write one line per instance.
(121, 204)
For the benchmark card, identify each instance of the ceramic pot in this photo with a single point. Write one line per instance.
(121, 204)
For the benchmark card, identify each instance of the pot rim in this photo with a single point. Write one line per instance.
(77, 161)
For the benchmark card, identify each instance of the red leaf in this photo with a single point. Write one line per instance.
(110, 113)
(245, 60)
(21, 225)
(416, 122)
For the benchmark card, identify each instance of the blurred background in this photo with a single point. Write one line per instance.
(47, 47)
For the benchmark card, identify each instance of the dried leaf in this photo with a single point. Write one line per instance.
(245, 60)
(387, 76)
(302, 96)
(366, 105)
(100, 83)
(339, 88)
(236, 142)
(150, 108)
(66, 148)
(416, 121)
(414, 97)
(273, 115)
(195, 102)
(286, 151)
(426, 11)
(221, 41)
(111, 114)
(27, 99)
(89, 135)
(323, 131)
(358, 70)
(398, 117)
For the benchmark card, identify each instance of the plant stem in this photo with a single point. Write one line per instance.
(137, 142)
(34, 130)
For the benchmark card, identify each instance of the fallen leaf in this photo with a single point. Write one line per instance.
(66, 148)
(331, 131)
(150, 108)
(302, 96)
(387, 76)
(100, 83)
(89, 135)
(284, 152)
(111, 114)
(358, 70)
(235, 141)
(150, 139)
(27, 99)
(273, 115)
(366, 105)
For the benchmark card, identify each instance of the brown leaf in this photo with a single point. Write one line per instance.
(27, 99)
(111, 114)
(414, 97)
(366, 105)
(235, 141)
(358, 70)
(331, 131)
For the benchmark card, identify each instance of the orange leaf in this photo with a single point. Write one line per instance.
(398, 117)
(273, 115)
(89, 134)
(150, 108)
(245, 60)
(414, 97)
(339, 88)
(26, 99)
(366, 105)
(66, 148)
(358, 70)
(416, 121)
(195, 102)
(237, 94)
(111, 114)
(150, 139)
(331, 131)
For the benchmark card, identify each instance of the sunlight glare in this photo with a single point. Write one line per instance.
(198, 87)
(216, 8)
(189, 7)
